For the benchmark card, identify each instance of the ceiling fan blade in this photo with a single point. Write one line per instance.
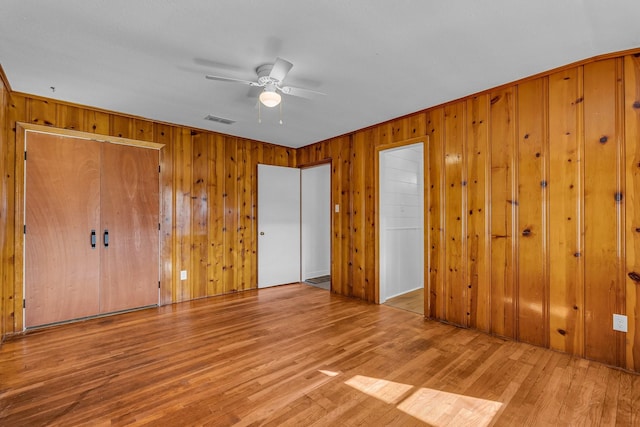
(280, 69)
(228, 79)
(296, 91)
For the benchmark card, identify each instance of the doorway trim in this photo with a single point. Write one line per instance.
(21, 138)
(425, 219)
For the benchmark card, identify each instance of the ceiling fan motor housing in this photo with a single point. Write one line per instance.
(263, 72)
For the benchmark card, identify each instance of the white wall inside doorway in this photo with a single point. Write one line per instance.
(401, 220)
(316, 221)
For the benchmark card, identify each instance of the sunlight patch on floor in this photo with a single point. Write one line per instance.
(435, 407)
(387, 391)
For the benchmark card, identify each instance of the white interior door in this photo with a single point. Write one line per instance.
(278, 225)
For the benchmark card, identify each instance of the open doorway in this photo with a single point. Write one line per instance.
(294, 224)
(315, 190)
(401, 230)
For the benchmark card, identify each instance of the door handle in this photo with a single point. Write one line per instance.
(106, 238)
(93, 239)
(262, 233)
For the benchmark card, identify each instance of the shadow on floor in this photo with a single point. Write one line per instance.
(323, 282)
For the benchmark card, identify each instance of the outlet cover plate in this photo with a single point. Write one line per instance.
(183, 275)
(620, 322)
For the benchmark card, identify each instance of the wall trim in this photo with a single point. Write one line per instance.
(29, 127)
(4, 79)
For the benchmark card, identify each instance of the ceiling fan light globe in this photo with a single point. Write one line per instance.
(270, 99)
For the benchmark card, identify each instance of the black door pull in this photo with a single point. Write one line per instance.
(93, 239)
(106, 238)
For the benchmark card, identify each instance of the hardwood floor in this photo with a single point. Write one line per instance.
(297, 355)
(411, 301)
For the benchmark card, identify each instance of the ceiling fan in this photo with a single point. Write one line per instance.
(270, 77)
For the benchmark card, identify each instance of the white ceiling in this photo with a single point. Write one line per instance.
(375, 59)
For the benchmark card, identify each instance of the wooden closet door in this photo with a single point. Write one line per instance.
(62, 185)
(130, 213)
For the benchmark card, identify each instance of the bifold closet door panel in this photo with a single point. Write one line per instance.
(130, 216)
(62, 207)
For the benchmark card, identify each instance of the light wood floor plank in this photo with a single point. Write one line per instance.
(296, 355)
(411, 301)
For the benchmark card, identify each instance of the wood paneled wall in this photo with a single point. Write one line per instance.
(533, 221)
(208, 205)
(533, 226)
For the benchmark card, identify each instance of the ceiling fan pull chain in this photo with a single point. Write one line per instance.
(281, 113)
(259, 111)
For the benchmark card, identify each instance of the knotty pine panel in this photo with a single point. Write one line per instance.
(285, 156)
(436, 213)
(307, 155)
(72, 117)
(12, 306)
(455, 184)
(183, 161)
(566, 225)
(343, 148)
(478, 172)
(385, 132)
(267, 155)
(42, 112)
(143, 130)
(503, 212)
(369, 208)
(164, 134)
(230, 214)
(121, 126)
(246, 208)
(532, 221)
(358, 234)
(603, 209)
(249, 207)
(632, 206)
(339, 150)
(200, 211)
(96, 122)
(403, 129)
(215, 191)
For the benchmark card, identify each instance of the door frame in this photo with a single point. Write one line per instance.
(425, 218)
(22, 129)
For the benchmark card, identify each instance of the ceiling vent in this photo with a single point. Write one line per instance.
(219, 120)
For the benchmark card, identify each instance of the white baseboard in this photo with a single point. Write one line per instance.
(402, 293)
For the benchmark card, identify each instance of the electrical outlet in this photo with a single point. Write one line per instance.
(183, 275)
(620, 322)
(337, 208)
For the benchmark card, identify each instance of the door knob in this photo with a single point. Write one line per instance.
(262, 233)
